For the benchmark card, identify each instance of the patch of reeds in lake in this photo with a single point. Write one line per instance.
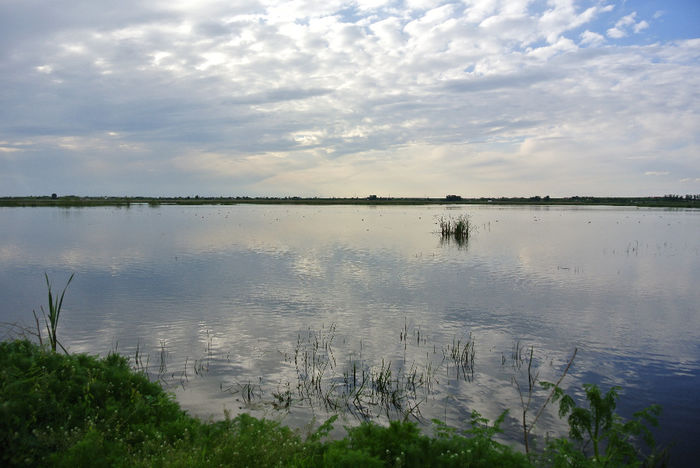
(337, 381)
(366, 387)
(456, 229)
(319, 372)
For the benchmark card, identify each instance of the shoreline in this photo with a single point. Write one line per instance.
(78, 201)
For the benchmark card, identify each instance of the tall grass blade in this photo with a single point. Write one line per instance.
(55, 307)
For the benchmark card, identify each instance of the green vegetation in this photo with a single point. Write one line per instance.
(610, 438)
(51, 320)
(458, 228)
(78, 410)
(526, 401)
(670, 201)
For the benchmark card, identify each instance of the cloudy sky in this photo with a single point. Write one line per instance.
(348, 98)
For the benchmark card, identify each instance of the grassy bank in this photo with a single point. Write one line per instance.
(77, 410)
(669, 201)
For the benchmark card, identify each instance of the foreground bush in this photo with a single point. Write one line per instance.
(76, 406)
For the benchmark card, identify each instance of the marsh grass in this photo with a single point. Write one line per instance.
(106, 414)
(517, 355)
(141, 363)
(457, 229)
(163, 372)
(462, 354)
(51, 320)
(393, 389)
(201, 366)
(365, 388)
(248, 392)
(109, 415)
(359, 387)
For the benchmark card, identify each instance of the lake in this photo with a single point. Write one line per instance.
(284, 311)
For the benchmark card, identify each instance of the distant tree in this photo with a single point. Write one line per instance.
(54, 196)
(453, 197)
(372, 197)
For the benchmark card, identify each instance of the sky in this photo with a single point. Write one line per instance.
(480, 98)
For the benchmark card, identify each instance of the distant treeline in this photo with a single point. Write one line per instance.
(674, 201)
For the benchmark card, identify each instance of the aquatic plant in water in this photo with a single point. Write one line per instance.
(455, 228)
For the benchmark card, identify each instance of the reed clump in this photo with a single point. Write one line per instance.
(457, 228)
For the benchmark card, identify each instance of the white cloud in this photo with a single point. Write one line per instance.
(625, 24)
(562, 17)
(422, 4)
(478, 10)
(616, 33)
(389, 32)
(278, 96)
(560, 46)
(639, 27)
(590, 38)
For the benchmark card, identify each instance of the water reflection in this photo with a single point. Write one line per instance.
(237, 285)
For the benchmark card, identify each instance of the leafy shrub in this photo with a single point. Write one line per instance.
(52, 402)
(402, 444)
(599, 436)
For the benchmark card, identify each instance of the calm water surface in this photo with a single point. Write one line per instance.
(224, 296)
